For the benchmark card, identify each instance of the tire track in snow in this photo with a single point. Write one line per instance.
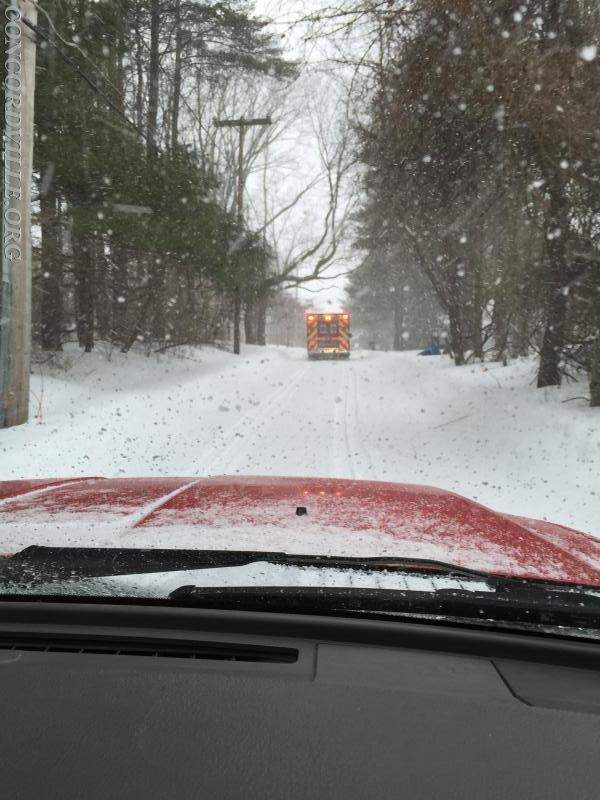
(359, 461)
(342, 455)
(231, 446)
(348, 416)
(348, 412)
(359, 439)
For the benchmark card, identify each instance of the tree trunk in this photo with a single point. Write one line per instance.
(139, 88)
(519, 336)
(501, 325)
(261, 322)
(237, 316)
(51, 255)
(476, 312)
(249, 322)
(153, 77)
(553, 342)
(454, 306)
(137, 329)
(457, 342)
(83, 268)
(595, 376)
(556, 314)
(501, 341)
(119, 294)
(176, 77)
(398, 319)
(101, 291)
(157, 286)
(51, 305)
(194, 316)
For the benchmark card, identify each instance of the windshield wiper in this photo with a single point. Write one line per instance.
(39, 565)
(477, 595)
(508, 601)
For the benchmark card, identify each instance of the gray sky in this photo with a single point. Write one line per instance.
(317, 97)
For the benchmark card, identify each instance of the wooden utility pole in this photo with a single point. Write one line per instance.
(20, 18)
(241, 124)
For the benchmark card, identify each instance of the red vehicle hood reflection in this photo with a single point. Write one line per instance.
(294, 515)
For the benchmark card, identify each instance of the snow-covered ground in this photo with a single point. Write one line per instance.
(483, 431)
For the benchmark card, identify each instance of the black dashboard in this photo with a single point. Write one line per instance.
(152, 702)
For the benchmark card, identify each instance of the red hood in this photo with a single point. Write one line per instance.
(354, 518)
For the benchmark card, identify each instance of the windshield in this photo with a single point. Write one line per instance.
(303, 278)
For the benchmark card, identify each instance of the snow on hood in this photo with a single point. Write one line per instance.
(343, 518)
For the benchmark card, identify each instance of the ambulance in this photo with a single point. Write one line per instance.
(328, 335)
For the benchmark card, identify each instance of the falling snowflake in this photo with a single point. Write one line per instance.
(589, 52)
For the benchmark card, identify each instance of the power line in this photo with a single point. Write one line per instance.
(68, 60)
(183, 99)
(79, 49)
(73, 64)
(192, 111)
(94, 86)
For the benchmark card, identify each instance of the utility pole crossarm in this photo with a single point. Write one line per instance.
(242, 123)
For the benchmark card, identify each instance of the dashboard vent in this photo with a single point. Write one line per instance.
(214, 651)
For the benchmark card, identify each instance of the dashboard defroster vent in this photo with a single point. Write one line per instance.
(215, 651)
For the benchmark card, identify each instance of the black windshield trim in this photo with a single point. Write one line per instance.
(522, 605)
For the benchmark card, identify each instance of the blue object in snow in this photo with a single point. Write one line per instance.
(432, 350)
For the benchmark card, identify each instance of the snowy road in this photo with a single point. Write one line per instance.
(305, 423)
(481, 430)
